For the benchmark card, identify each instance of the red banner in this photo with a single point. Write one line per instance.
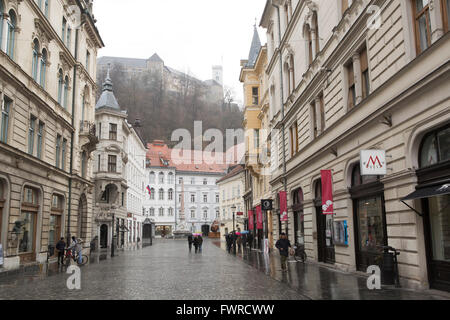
(251, 225)
(259, 218)
(283, 206)
(327, 192)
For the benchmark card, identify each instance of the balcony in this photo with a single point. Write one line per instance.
(88, 138)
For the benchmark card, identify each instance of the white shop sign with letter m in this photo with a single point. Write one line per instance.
(373, 163)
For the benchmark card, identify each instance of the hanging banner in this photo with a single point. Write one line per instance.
(327, 192)
(259, 218)
(251, 225)
(283, 206)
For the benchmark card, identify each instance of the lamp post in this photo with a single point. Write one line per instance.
(112, 240)
(233, 208)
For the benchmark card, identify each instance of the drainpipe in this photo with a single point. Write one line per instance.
(282, 105)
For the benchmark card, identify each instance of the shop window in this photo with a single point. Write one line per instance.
(439, 215)
(435, 148)
(422, 25)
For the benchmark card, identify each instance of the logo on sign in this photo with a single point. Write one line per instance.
(373, 163)
(327, 205)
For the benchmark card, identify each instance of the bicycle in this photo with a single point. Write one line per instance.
(69, 256)
(299, 254)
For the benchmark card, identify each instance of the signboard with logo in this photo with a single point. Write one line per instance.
(250, 220)
(283, 206)
(267, 205)
(1, 254)
(259, 218)
(373, 163)
(327, 192)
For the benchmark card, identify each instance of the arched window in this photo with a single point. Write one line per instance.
(43, 68)
(435, 147)
(60, 86)
(171, 178)
(170, 194)
(152, 194)
(152, 177)
(161, 177)
(35, 62)
(309, 43)
(152, 212)
(66, 92)
(358, 180)
(161, 194)
(12, 26)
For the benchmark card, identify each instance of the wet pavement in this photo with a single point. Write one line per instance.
(164, 271)
(167, 271)
(322, 283)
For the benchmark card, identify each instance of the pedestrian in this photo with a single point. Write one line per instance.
(228, 240)
(79, 250)
(61, 246)
(283, 246)
(250, 240)
(239, 243)
(196, 242)
(200, 244)
(190, 240)
(72, 245)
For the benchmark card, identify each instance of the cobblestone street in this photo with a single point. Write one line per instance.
(164, 271)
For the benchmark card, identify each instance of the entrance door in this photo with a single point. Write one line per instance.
(437, 231)
(325, 237)
(104, 236)
(54, 230)
(205, 230)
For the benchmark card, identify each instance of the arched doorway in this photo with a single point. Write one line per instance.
(104, 236)
(82, 231)
(325, 243)
(205, 230)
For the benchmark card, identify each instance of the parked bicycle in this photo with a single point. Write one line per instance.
(299, 253)
(70, 256)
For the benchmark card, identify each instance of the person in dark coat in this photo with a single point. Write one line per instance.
(61, 246)
(250, 240)
(229, 243)
(283, 246)
(200, 244)
(196, 243)
(190, 241)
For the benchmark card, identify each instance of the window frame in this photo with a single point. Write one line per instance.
(112, 165)
(416, 16)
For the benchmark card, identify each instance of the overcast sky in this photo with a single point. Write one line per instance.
(190, 36)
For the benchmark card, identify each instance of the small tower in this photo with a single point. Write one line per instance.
(217, 74)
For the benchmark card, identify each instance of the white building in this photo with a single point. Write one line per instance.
(159, 204)
(135, 175)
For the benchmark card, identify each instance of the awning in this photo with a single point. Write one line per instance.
(428, 192)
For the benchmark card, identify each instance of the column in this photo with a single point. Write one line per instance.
(357, 75)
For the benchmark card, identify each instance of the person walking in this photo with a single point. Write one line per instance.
(61, 246)
(238, 242)
(283, 246)
(200, 244)
(228, 239)
(196, 242)
(250, 240)
(190, 241)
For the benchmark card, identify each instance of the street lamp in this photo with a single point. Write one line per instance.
(233, 208)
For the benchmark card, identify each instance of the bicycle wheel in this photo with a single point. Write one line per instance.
(66, 261)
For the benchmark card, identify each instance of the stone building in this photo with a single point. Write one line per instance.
(47, 89)
(156, 73)
(361, 75)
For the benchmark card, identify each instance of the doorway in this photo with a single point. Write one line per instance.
(104, 236)
(205, 230)
(325, 244)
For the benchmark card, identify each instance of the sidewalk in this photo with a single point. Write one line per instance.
(319, 282)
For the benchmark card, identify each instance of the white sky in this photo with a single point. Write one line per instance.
(190, 36)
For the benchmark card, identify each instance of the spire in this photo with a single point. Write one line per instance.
(254, 49)
(107, 99)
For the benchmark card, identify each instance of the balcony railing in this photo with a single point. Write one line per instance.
(88, 128)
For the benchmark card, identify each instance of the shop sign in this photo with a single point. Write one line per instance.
(250, 220)
(267, 205)
(240, 213)
(130, 215)
(327, 192)
(373, 163)
(283, 206)
(259, 218)
(1, 254)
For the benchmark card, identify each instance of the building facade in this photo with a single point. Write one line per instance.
(231, 188)
(47, 87)
(344, 82)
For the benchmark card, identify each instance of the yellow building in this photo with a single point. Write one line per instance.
(256, 126)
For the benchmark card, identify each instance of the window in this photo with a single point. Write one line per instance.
(152, 177)
(180, 198)
(112, 163)
(161, 194)
(422, 24)
(60, 86)
(170, 194)
(351, 102)
(316, 28)
(31, 131)
(205, 214)
(192, 180)
(152, 212)
(35, 60)
(99, 130)
(112, 131)
(192, 214)
(40, 134)
(256, 137)
(294, 138)
(43, 68)
(170, 178)
(63, 31)
(6, 108)
(217, 198)
(170, 212)
(255, 96)
(364, 73)
(445, 13)
(99, 163)
(152, 194)
(66, 92)
(2, 8)
(12, 26)
(217, 214)
(161, 178)
(88, 58)
(205, 182)
(46, 7)
(161, 212)
(435, 148)
(322, 113)
(205, 198)
(63, 156)
(193, 198)
(309, 41)
(58, 150)
(180, 180)
(314, 120)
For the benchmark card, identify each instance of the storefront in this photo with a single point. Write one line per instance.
(25, 228)
(325, 244)
(299, 217)
(433, 193)
(163, 231)
(369, 216)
